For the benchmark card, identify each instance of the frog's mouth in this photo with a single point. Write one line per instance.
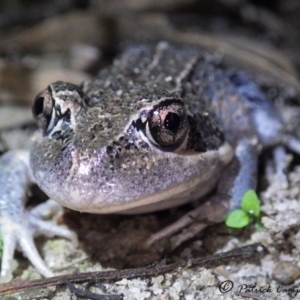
(193, 188)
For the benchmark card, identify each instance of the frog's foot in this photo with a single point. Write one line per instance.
(215, 210)
(21, 234)
(276, 169)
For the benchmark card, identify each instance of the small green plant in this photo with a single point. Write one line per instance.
(250, 208)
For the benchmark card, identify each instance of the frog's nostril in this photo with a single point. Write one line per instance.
(112, 152)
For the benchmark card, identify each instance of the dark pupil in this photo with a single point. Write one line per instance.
(172, 122)
(38, 106)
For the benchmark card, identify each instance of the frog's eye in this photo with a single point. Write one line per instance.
(167, 124)
(42, 109)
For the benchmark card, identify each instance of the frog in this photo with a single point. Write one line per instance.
(162, 126)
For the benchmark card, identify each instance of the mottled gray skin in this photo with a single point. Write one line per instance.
(106, 161)
(162, 126)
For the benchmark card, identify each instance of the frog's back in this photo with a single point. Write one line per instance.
(151, 72)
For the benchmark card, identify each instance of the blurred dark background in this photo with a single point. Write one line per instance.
(43, 41)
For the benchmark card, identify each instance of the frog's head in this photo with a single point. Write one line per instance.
(123, 153)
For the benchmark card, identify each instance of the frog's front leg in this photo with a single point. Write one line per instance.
(18, 226)
(238, 177)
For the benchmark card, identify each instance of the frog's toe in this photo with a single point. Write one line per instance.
(29, 249)
(49, 228)
(47, 209)
(9, 246)
(292, 143)
(276, 168)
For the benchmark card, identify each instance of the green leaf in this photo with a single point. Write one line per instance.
(251, 203)
(237, 219)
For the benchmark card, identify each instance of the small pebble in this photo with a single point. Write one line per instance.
(286, 273)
